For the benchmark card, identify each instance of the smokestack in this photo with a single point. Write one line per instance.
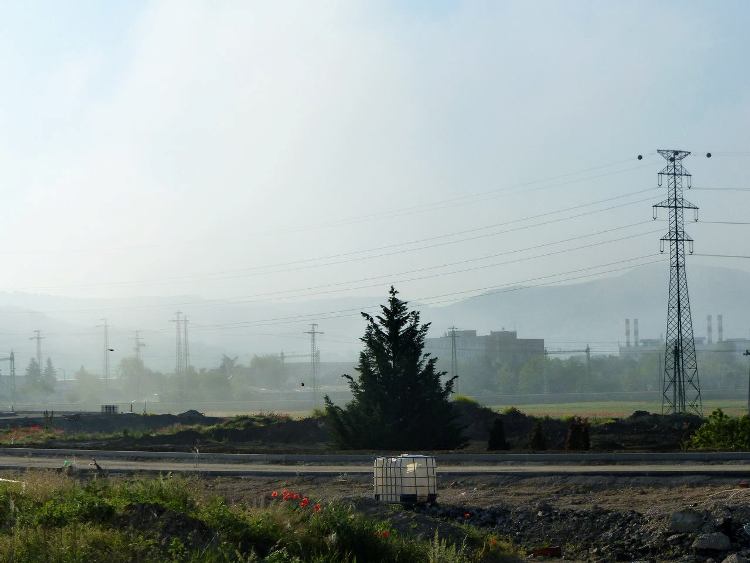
(709, 329)
(720, 327)
(635, 332)
(627, 333)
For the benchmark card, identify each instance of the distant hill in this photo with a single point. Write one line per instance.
(595, 311)
(567, 316)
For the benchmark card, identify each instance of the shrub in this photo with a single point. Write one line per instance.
(578, 434)
(497, 439)
(722, 432)
(537, 441)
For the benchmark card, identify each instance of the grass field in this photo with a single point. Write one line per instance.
(611, 409)
(50, 517)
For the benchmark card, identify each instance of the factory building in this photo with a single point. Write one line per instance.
(499, 347)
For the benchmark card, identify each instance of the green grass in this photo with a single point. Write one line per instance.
(50, 517)
(617, 409)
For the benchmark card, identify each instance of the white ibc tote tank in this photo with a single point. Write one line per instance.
(407, 478)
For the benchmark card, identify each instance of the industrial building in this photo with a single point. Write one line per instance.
(637, 347)
(499, 347)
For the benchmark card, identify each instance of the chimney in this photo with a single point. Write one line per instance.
(720, 327)
(709, 330)
(635, 332)
(627, 333)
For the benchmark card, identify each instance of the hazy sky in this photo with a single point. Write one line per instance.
(164, 148)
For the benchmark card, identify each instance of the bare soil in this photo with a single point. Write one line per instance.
(589, 518)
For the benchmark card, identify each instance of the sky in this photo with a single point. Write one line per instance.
(286, 151)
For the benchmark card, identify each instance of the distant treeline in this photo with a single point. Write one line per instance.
(268, 376)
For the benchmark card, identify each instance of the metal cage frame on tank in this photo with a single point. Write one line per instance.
(407, 479)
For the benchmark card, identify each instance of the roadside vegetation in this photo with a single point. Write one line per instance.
(722, 432)
(49, 517)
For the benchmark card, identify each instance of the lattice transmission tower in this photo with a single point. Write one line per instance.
(314, 361)
(681, 390)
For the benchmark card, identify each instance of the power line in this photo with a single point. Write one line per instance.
(385, 254)
(486, 290)
(250, 298)
(723, 255)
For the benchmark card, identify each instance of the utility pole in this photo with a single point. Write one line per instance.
(747, 353)
(12, 381)
(681, 389)
(454, 356)
(178, 343)
(139, 361)
(12, 360)
(38, 337)
(185, 344)
(180, 359)
(107, 350)
(314, 360)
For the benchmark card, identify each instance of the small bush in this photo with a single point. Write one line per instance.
(722, 432)
(497, 439)
(578, 438)
(537, 441)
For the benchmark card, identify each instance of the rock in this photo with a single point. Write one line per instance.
(675, 538)
(712, 542)
(685, 521)
(734, 558)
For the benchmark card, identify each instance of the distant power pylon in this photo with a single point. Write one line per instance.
(138, 356)
(179, 361)
(106, 350)
(681, 390)
(38, 337)
(314, 360)
(454, 355)
(138, 345)
(185, 343)
(182, 351)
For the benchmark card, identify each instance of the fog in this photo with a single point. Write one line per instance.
(249, 163)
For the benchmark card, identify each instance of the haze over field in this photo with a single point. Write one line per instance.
(244, 162)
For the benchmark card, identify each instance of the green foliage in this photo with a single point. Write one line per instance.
(578, 438)
(53, 518)
(399, 401)
(722, 432)
(465, 399)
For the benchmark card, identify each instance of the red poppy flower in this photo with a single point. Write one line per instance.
(275, 494)
(467, 515)
(316, 508)
(385, 534)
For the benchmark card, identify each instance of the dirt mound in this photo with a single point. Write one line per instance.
(477, 421)
(645, 431)
(640, 431)
(613, 535)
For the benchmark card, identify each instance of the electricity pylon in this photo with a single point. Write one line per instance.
(681, 390)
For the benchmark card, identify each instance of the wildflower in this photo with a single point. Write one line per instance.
(467, 515)
(316, 508)
(275, 494)
(385, 534)
(305, 501)
(493, 542)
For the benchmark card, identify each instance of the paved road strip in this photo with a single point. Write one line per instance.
(454, 458)
(162, 466)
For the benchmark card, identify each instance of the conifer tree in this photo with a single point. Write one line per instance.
(399, 402)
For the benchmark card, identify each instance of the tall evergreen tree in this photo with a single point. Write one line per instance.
(398, 401)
